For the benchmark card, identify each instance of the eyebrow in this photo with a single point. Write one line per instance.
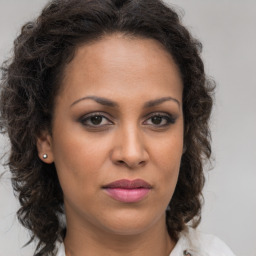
(110, 103)
(100, 100)
(159, 101)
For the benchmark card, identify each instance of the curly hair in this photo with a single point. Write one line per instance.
(31, 80)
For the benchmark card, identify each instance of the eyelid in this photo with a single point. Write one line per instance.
(171, 118)
(97, 113)
(83, 118)
(159, 113)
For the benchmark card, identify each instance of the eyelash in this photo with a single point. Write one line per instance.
(167, 117)
(88, 117)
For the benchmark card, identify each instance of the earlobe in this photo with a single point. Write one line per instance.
(44, 148)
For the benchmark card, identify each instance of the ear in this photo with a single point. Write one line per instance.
(44, 147)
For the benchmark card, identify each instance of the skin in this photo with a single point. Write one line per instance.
(126, 144)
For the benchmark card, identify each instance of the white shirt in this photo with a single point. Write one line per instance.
(194, 243)
(191, 243)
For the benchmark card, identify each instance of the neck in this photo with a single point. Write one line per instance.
(154, 241)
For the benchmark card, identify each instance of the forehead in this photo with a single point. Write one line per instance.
(119, 49)
(117, 62)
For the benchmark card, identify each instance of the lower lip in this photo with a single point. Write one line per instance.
(127, 195)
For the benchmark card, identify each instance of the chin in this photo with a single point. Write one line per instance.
(132, 223)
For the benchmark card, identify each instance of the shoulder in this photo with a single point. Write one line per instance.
(214, 246)
(193, 242)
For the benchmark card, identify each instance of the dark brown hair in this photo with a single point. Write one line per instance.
(30, 82)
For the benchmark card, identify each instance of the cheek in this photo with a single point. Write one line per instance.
(78, 159)
(168, 150)
(167, 160)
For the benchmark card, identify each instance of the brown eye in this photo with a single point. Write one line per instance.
(95, 120)
(156, 120)
(160, 120)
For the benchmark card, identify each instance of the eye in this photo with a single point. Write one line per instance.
(160, 120)
(95, 120)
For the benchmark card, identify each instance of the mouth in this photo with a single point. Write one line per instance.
(128, 191)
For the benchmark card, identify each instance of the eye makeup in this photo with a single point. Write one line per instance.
(102, 120)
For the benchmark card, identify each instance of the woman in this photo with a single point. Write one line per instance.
(106, 105)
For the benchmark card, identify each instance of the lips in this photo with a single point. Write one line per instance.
(128, 184)
(128, 191)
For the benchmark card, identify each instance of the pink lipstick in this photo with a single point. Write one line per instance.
(128, 191)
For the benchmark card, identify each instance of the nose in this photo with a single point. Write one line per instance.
(129, 148)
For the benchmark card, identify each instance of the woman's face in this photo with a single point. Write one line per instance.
(117, 135)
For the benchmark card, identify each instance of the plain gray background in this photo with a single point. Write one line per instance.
(227, 30)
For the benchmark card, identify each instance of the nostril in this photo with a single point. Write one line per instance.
(142, 163)
(121, 162)
(130, 165)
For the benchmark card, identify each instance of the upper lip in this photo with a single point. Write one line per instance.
(128, 184)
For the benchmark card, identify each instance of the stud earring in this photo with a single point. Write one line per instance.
(45, 156)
